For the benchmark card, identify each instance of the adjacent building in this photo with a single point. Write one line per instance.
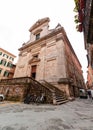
(7, 67)
(88, 36)
(85, 25)
(49, 56)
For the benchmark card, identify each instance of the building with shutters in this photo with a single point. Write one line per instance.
(7, 67)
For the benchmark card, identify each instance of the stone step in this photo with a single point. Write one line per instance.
(62, 102)
(60, 99)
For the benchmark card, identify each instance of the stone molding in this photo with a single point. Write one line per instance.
(44, 38)
(39, 22)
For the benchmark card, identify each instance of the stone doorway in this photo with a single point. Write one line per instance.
(33, 71)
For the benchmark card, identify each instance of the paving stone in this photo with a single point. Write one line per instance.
(76, 115)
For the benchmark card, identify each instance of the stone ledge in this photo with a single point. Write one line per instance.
(64, 81)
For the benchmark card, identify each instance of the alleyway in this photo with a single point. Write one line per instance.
(76, 115)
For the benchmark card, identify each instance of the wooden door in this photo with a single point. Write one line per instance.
(33, 71)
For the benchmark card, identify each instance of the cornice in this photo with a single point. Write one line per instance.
(50, 35)
(7, 52)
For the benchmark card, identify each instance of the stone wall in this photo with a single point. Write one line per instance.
(13, 92)
(18, 88)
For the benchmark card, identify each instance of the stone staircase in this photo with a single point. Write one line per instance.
(28, 85)
(59, 97)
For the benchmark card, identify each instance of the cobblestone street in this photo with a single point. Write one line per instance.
(75, 115)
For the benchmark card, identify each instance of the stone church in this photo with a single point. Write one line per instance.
(49, 56)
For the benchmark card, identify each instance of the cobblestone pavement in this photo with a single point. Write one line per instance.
(75, 115)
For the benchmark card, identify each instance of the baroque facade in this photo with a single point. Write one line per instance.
(7, 67)
(49, 56)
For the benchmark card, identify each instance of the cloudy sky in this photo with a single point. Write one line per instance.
(17, 16)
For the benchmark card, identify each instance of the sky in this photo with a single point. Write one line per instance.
(17, 16)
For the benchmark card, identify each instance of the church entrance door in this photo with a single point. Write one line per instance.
(33, 71)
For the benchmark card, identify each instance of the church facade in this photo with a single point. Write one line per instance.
(49, 56)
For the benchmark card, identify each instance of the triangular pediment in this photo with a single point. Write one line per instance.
(39, 22)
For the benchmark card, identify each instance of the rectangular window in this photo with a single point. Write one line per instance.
(37, 36)
(11, 58)
(0, 70)
(0, 53)
(6, 74)
(3, 55)
(7, 56)
(3, 62)
(9, 65)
